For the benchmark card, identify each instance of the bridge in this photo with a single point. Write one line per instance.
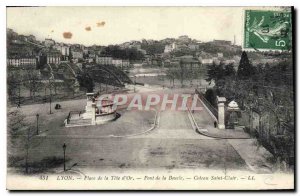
(105, 74)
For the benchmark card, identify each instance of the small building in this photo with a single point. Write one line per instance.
(233, 114)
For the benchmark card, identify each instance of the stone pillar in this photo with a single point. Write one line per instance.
(93, 114)
(221, 112)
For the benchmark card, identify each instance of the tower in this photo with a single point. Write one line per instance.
(234, 40)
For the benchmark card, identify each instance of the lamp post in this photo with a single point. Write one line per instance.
(50, 96)
(64, 148)
(37, 124)
(50, 112)
(134, 83)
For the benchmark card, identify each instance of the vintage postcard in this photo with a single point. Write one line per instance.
(150, 98)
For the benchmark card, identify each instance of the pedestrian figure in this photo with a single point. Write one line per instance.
(215, 124)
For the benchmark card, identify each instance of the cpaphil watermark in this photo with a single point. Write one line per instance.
(145, 102)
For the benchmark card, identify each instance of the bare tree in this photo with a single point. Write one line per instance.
(20, 137)
(14, 82)
(32, 82)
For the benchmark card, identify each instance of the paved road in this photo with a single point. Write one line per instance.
(173, 124)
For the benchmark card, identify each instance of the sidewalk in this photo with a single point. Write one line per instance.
(258, 159)
(206, 127)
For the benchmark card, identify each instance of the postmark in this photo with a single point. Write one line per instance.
(270, 30)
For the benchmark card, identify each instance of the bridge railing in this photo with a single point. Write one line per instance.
(208, 105)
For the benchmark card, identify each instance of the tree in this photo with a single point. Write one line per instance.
(220, 73)
(229, 70)
(86, 81)
(32, 82)
(210, 96)
(13, 84)
(20, 135)
(171, 75)
(153, 48)
(214, 73)
(245, 69)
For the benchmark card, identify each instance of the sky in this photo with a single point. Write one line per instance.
(115, 25)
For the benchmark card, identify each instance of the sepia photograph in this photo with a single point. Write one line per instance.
(150, 98)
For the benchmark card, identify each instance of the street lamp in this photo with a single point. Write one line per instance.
(37, 124)
(64, 148)
(134, 83)
(50, 96)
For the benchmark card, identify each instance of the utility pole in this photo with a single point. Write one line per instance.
(50, 97)
(19, 100)
(64, 149)
(134, 83)
(37, 124)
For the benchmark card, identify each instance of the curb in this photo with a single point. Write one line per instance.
(197, 128)
(156, 123)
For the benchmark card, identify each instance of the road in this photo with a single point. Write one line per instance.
(172, 144)
(173, 124)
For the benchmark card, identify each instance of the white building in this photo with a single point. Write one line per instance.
(206, 61)
(117, 62)
(22, 61)
(64, 50)
(104, 60)
(168, 48)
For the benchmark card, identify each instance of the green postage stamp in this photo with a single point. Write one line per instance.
(269, 30)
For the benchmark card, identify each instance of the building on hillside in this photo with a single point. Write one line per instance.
(64, 50)
(184, 38)
(174, 63)
(193, 47)
(49, 56)
(221, 42)
(77, 53)
(49, 42)
(125, 64)
(220, 55)
(189, 62)
(208, 61)
(168, 48)
(91, 54)
(117, 62)
(144, 52)
(21, 61)
(104, 60)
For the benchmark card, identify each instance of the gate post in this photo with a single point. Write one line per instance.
(221, 112)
